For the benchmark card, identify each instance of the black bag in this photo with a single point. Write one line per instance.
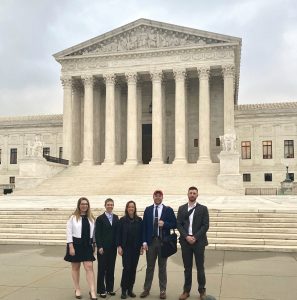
(169, 245)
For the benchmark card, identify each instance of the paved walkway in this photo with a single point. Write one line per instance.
(39, 273)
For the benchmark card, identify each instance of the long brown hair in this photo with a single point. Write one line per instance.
(126, 209)
(88, 213)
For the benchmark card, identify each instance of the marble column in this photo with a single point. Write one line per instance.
(180, 116)
(228, 74)
(110, 119)
(157, 121)
(132, 118)
(76, 122)
(204, 115)
(88, 154)
(97, 127)
(139, 122)
(67, 118)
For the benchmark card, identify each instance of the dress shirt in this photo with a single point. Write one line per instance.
(191, 217)
(160, 209)
(109, 217)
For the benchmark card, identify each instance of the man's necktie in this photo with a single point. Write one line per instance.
(156, 220)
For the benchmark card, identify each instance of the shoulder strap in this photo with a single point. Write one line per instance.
(190, 211)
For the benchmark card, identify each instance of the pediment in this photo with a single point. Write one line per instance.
(145, 35)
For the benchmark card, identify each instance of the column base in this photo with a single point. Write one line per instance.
(87, 162)
(179, 161)
(204, 160)
(156, 161)
(131, 162)
(108, 163)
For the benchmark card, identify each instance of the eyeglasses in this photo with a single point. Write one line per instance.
(84, 204)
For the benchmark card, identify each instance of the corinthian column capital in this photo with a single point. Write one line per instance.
(131, 77)
(228, 70)
(179, 74)
(66, 81)
(203, 72)
(109, 78)
(88, 80)
(156, 75)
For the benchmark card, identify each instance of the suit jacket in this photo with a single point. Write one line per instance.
(167, 216)
(200, 223)
(105, 233)
(123, 232)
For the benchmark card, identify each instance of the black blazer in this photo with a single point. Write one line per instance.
(105, 233)
(123, 232)
(200, 223)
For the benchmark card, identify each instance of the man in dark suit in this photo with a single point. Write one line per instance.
(158, 219)
(192, 224)
(105, 234)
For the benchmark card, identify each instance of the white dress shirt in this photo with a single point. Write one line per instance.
(160, 209)
(191, 218)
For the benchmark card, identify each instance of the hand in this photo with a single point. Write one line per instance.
(71, 250)
(161, 223)
(120, 250)
(100, 251)
(145, 247)
(190, 239)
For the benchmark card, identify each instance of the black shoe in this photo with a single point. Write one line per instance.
(92, 297)
(111, 293)
(131, 294)
(144, 294)
(124, 294)
(103, 295)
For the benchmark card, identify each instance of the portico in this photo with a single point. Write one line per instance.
(180, 81)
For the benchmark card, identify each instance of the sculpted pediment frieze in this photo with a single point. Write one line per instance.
(145, 37)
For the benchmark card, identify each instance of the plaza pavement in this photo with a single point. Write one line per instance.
(39, 273)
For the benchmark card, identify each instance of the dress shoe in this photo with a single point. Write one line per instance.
(103, 295)
(184, 296)
(144, 294)
(131, 294)
(162, 295)
(92, 298)
(202, 295)
(77, 296)
(124, 294)
(112, 293)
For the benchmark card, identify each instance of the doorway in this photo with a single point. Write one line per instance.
(146, 143)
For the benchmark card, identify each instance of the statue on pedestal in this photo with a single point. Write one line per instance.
(228, 142)
(35, 149)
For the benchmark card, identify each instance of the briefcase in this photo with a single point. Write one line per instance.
(169, 245)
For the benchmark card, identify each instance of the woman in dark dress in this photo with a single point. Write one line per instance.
(129, 242)
(80, 245)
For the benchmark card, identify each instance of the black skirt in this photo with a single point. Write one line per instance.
(83, 252)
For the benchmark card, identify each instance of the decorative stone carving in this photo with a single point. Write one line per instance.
(88, 80)
(66, 81)
(228, 142)
(131, 78)
(228, 70)
(35, 149)
(109, 78)
(203, 72)
(146, 37)
(179, 74)
(156, 75)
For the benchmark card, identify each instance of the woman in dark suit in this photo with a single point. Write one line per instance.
(129, 242)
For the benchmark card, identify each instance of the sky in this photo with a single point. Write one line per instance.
(31, 31)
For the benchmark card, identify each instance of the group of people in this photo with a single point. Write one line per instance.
(131, 236)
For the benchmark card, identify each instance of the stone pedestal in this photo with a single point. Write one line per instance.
(288, 187)
(229, 177)
(34, 170)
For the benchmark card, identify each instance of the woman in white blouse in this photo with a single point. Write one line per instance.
(80, 245)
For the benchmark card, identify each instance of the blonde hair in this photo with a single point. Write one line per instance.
(89, 214)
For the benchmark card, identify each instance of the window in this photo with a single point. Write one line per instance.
(246, 177)
(60, 152)
(218, 142)
(291, 176)
(13, 156)
(46, 151)
(12, 180)
(246, 150)
(288, 148)
(268, 176)
(267, 149)
(196, 143)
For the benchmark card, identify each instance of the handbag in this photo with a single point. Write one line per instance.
(169, 245)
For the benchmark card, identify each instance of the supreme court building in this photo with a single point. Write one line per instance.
(152, 93)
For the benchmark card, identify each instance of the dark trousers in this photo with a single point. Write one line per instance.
(130, 261)
(105, 276)
(187, 253)
(154, 252)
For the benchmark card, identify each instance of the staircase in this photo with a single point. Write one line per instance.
(131, 179)
(229, 230)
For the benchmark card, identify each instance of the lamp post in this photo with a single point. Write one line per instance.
(288, 179)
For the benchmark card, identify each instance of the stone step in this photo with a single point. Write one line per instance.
(245, 241)
(249, 235)
(255, 219)
(265, 248)
(35, 230)
(32, 242)
(252, 230)
(34, 236)
(254, 225)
